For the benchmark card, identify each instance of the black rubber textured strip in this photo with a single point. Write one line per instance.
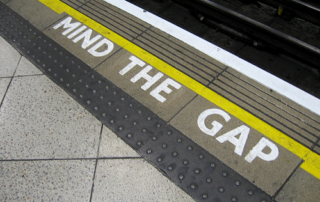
(193, 169)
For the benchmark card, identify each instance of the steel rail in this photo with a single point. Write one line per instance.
(301, 9)
(263, 27)
(302, 49)
(298, 5)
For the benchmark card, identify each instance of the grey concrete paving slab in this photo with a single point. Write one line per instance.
(234, 143)
(4, 82)
(26, 68)
(46, 180)
(35, 12)
(174, 100)
(133, 180)
(112, 146)
(38, 120)
(301, 187)
(9, 59)
(78, 46)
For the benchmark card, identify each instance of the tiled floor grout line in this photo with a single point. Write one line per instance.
(216, 77)
(5, 77)
(4, 96)
(72, 159)
(96, 163)
(98, 65)
(287, 180)
(182, 108)
(23, 76)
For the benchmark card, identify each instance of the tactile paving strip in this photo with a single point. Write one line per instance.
(189, 166)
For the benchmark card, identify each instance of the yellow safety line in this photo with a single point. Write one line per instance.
(311, 162)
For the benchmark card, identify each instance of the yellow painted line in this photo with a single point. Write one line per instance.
(311, 162)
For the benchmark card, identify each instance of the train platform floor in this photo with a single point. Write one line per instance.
(98, 104)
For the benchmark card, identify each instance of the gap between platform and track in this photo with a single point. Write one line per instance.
(311, 162)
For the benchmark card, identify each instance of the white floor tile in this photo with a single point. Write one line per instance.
(9, 59)
(38, 120)
(133, 180)
(25, 67)
(112, 146)
(46, 180)
(4, 82)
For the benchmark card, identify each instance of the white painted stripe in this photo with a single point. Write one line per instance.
(301, 97)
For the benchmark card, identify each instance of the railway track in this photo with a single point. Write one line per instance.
(254, 32)
(282, 37)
